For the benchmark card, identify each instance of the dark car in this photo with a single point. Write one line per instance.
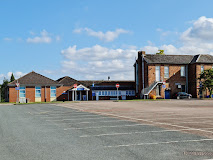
(182, 95)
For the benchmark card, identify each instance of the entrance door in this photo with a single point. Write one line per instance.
(157, 73)
(78, 96)
(167, 94)
(158, 90)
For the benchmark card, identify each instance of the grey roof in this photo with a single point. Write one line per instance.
(205, 58)
(67, 81)
(33, 79)
(178, 59)
(168, 59)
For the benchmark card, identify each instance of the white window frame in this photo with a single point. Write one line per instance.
(51, 90)
(202, 68)
(183, 71)
(166, 74)
(37, 90)
(112, 93)
(22, 90)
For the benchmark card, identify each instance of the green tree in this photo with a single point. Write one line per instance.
(161, 52)
(12, 78)
(4, 90)
(206, 77)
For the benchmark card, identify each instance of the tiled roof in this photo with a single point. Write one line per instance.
(168, 59)
(34, 79)
(178, 59)
(205, 58)
(67, 81)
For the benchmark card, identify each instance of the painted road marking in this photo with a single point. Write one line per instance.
(129, 133)
(156, 143)
(145, 120)
(128, 125)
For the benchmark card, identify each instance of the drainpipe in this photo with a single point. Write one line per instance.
(143, 73)
(45, 97)
(187, 79)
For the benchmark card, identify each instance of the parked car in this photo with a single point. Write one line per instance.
(182, 95)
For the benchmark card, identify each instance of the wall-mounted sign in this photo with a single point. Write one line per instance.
(80, 89)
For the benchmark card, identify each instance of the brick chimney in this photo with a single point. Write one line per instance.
(140, 53)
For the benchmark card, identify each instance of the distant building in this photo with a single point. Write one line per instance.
(35, 87)
(164, 75)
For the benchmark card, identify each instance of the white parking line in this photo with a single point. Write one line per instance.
(80, 113)
(86, 122)
(129, 133)
(77, 116)
(129, 125)
(184, 118)
(104, 121)
(156, 143)
(193, 122)
(85, 118)
(149, 121)
(73, 119)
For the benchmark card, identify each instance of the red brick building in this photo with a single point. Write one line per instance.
(164, 75)
(35, 87)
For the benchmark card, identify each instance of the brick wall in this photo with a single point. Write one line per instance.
(61, 96)
(30, 94)
(174, 77)
(12, 94)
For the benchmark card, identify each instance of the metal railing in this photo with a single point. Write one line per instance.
(147, 90)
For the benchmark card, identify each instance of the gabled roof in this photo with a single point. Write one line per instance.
(33, 79)
(178, 59)
(67, 81)
(205, 58)
(168, 59)
(80, 87)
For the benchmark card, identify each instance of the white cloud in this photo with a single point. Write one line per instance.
(108, 36)
(202, 30)
(8, 75)
(57, 38)
(98, 62)
(197, 39)
(43, 38)
(16, 74)
(8, 39)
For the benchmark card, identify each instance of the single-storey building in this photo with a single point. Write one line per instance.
(34, 87)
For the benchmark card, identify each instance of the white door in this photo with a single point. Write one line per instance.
(97, 96)
(157, 73)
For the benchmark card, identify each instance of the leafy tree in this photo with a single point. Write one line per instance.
(12, 78)
(206, 77)
(4, 89)
(161, 52)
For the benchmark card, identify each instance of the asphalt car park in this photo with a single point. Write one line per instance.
(104, 130)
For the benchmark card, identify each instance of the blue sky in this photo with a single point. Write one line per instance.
(94, 39)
